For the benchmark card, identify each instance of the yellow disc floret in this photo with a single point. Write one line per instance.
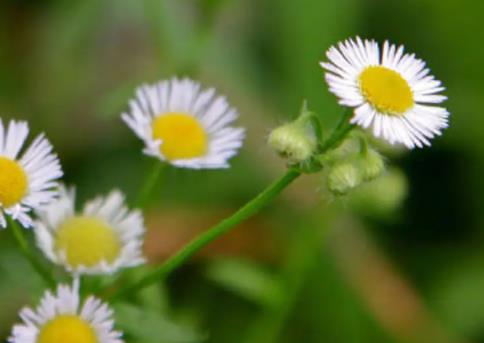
(87, 241)
(13, 182)
(386, 90)
(182, 136)
(67, 328)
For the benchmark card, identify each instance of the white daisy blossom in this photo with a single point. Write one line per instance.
(103, 238)
(391, 91)
(184, 125)
(27, 181)
(61, 315)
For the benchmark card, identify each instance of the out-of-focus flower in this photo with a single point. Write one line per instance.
(29, 181)
(61, 318)
(105, 237)
(184, 125)
(390, 90)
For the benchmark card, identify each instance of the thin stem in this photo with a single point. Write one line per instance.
(247, 211)
(24, 247)
(149, 184)
(339, 133)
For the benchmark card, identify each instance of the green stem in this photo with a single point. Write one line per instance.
(24, 247)
(247, 211)
(149, 184)
(339, 133)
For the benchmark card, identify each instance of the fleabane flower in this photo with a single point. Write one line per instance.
(184, 125)
(391, 91)
(60, 317)
(103, 238)
(27, 181)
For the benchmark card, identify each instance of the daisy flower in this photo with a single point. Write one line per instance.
(391, 91)
(184, 125)
(27, 181)
(101, 239)
(61, 318)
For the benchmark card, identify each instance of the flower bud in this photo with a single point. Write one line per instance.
(296, 140)
(343, 178)
(371, 165)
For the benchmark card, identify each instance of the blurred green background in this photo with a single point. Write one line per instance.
(401, 260)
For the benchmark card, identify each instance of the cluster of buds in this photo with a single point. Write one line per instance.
(301, 143)
(354, 170)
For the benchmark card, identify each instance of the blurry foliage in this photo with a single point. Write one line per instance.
(144, 325)
(458, 295)
(247, 280)
(69, 67)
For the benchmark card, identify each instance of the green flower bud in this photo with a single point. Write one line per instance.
(371, 165)
(296, 141)
(343, 178)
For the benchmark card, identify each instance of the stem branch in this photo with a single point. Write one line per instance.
(339, 133)
(245, 212)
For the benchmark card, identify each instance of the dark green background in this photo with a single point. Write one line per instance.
(69, 68)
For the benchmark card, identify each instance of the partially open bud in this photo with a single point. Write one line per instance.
(343, 178)
(371, 165)
(296, 141)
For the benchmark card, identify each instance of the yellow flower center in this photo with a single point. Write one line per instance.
(182, 136)
(386, 90)
(13, 182)
(67, 329)
(87, 241)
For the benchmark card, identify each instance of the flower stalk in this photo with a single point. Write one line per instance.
(248, 210)
(339, 134)
(245, 212)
